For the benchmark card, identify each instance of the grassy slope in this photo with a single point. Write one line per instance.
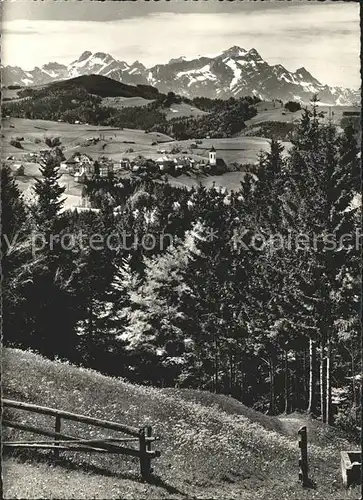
(125, 102)
(212, 446)
(183, 109)
(266, 111)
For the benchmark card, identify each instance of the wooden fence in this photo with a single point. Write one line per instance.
(65, 442)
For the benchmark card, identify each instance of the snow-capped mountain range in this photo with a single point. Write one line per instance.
(233, 73)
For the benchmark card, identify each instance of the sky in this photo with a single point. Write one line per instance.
(324, 37)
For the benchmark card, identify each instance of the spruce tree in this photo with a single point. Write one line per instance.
(321, 188)
(49, 193)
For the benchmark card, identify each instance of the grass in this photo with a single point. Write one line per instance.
(267, 111)
(211, 446)
(183, 109)
(125, 102)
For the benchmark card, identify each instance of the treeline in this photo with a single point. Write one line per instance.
(250, 293)
(226, 119)
(69, 105)
(72, 103)
(279, 131)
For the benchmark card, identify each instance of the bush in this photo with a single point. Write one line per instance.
(52, 142)
(347, 420)
(293, 106)
(16, 144)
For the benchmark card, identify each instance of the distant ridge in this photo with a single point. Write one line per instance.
(235, 72)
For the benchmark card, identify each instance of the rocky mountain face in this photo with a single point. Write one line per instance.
(233, 73)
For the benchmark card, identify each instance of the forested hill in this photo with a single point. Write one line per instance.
(96, 85)
(82, 100)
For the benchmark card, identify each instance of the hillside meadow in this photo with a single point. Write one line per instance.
(211, 446)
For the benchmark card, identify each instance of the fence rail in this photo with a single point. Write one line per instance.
(65, 442)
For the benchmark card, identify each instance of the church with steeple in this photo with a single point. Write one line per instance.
(214, 161)
(212, 156)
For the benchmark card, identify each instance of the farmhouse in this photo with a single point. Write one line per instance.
(165, 163)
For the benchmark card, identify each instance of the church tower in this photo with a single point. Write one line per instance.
(212, 156)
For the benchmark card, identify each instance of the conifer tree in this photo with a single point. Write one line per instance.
(321, 190)
(49, 193)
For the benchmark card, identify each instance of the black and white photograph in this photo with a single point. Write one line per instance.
(181, 250)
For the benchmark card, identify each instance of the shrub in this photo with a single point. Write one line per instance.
(346, 419)
(52, 142)
(293, 106)
(16, 144)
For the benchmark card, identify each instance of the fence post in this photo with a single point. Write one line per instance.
(57, 429)
(144, 445)
(303, 461)
(148, 444)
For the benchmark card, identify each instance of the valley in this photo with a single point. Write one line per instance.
(117, 144)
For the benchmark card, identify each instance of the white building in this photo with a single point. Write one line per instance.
(212, 156)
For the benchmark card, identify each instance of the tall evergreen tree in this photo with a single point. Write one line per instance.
(49, 193)
(320, 192)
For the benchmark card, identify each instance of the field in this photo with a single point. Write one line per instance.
(183, 109)
(270, 111)
(241, 150)
(125, 102)
(175, 110)
(211, 445)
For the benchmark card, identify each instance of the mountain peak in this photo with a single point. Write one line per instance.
(137, 64)
(177, 60)
(53, 66)
(102, 55)
(253, 53)
(303, 74)
(86, 54)
(234, 51)
(302, 71)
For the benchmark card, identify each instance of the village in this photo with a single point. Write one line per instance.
(82, 166)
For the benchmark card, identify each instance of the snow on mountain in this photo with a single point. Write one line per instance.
(234, 72)
(237, 71)
(197, 75)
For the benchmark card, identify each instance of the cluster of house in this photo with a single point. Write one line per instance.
(185, 163)
(81, 166)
